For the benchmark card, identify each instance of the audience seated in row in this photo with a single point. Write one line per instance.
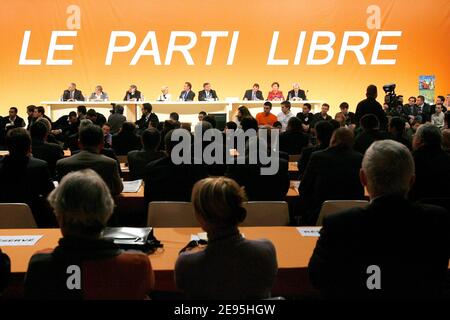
(230, 267)
(83, 205)
(383, 237)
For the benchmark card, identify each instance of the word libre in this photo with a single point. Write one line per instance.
(181, 42)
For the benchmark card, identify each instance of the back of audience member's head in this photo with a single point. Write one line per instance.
(335, 124)
(91, 113)
(119, 109)
(387, 168)
(18, 142)
(168, 143)
(294, 125)
(218, 203)
(249, 123)
(151, 139)
(170, 125)
(128, 127)
(427, 135)
(324, 131)
(277, 125)
(211, 119)
(186, 126)
(203, 126)
(174, 116)
(231, 125)
(72, 114)
(82, 110)
(38, 130)
(369, 122)
(91, 136)
(446, 139)
(397, 125)
(84, 123)
(147, 107)
(343, 137)
(372, 91)
(47, 124)
(82, 203)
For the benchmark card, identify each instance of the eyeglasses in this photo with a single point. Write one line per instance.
(194, 244)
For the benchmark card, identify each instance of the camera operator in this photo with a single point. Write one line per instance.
(371, 106)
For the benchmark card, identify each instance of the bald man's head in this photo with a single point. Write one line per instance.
(343, 137)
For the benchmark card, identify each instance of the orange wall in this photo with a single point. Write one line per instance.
(422, 49)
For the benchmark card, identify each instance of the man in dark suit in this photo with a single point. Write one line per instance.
(306, 117)
(423, 109)
(324, 131)
(96, 118)
(391, 249)
(371, 105)
(24, 179)
(293, 140)
(368, 133)
(138, 159)
(432, 164)
(167, 181)
(296, 93)
(66, 126)
(72, 94)
(439, 101)
(148, 117)
(132, 94)
(126, 141)
(10, 122)
(41, 149)
(410, 109)
(258, 186)
(254, 93)
(207, 94)
(91, 142)
(331, 174)
(187, 94)
(322, 115)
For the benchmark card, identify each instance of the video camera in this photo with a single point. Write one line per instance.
(391, 98)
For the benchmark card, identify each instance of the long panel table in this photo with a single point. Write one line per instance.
(293, 253)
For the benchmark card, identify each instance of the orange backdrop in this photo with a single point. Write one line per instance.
(423, 48)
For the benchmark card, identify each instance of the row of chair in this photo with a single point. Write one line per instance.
(162, 214)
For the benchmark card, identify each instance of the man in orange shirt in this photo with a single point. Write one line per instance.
(266, 118)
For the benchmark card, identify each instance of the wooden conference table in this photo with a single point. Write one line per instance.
(293, 253)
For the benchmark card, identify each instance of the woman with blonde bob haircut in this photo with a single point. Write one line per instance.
(84, 265)
(230, 267)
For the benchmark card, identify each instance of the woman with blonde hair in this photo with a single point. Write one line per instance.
(230, 267)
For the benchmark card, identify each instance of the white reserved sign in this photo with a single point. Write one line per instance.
(309, 231)
(18, 241)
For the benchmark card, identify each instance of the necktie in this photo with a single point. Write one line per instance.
(253, 96)
(72, 94)
(185, 95)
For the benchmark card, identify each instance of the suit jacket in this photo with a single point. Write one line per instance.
(122, 143)
(27, 180)
(49, 152)
(306, 119)
(425, 112)
(78, 95)
(303, 161)
(190, 96)
(212, 95)
(106, 167)
(318, 117)
(166, 181)
(230, 267)
(293, 142)
(366, 138)
(136, 95)
(331, 174)
(143, 122)
(372, 106)
(260, 187)
(139, 159)
(433, 109)
(432, 173)
(249, 95)
(300, 94)
(5, 124)
(388, 234)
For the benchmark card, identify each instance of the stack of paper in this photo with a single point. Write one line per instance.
(132, 186)
(309, 231)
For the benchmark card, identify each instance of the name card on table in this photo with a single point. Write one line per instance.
(19, 241)
(309, 231)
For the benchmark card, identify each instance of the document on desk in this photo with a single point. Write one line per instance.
(132, 186)
(309, 231)
(19, 241)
